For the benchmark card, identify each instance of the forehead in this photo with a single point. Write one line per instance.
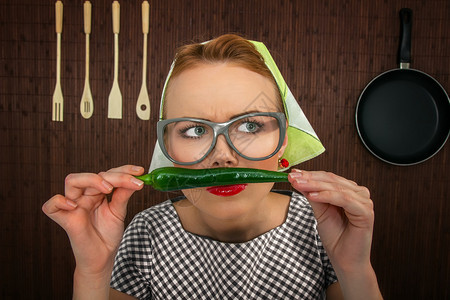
(217, 91)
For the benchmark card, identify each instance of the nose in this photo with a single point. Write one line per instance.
(222, 155)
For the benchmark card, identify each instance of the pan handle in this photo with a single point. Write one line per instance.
(405, 38)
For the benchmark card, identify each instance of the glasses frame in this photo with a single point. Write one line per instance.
(222, 128)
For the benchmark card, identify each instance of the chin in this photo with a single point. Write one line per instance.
(229, 207)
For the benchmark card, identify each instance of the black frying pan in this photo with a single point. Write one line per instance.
(403, 115)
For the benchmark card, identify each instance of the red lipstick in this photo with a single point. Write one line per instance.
(226, 190)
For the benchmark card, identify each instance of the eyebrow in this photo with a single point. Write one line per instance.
(231, 118)
(244, 113)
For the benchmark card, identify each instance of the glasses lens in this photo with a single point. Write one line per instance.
(256, 136)
(187, 141)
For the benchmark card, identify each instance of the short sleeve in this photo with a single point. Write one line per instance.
(133, 261)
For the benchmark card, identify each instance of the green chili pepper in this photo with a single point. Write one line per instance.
(171, 178)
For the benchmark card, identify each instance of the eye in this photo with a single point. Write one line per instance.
(194, 132)
(249, 127)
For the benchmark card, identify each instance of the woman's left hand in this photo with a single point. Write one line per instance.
(345, 216)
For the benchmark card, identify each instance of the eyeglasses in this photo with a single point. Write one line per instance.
(254, 136)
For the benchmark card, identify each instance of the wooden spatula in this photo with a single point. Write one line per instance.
(115, 97)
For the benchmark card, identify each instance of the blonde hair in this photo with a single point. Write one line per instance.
(225, 48)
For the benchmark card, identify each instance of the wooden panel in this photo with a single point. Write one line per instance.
(327, 50)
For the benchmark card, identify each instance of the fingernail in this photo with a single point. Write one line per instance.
(71, 203)
(297, 176)
(137, 181)
(136, 168)
(108, 186)
(314, 194)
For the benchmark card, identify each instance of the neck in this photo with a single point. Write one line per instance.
(236, 230)
(268, 214)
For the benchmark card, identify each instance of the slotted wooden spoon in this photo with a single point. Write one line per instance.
(87, 103)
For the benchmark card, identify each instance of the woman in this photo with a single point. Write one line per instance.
(224, 104)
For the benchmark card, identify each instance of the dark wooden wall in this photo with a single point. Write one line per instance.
(327, 50)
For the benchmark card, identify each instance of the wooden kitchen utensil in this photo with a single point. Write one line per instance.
(87, 103)
(58, 101)
(143, 102)
(115, 97)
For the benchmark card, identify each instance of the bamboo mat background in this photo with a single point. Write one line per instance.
(327, 51)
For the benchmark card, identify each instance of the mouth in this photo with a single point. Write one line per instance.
(226, 190)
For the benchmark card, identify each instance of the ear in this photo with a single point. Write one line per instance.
(285, 142)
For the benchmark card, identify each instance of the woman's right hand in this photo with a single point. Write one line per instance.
(94, 225)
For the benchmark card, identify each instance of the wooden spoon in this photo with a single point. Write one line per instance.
(143, 102)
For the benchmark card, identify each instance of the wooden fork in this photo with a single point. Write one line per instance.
(58, 100)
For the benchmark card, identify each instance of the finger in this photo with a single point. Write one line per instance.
(77, 184)
(119, 202)
(122, 180)
(323, 189)
(304, 184)
(329, 177)
(335, 194)
(92, 184)
(325, 177)
(321, 181)
(130, 169)
(348, 200)
(126, 185)
(57, 204)
(358, 210)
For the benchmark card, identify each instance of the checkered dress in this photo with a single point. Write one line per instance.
(158, 259)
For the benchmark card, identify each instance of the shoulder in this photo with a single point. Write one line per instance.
(146, 226)
(159, 210)
(300, 220)
(299, 200)
(155, 216)
(300, 205)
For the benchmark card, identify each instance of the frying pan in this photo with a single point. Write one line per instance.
(403, 115)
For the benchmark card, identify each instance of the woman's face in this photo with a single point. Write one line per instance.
(219, 92)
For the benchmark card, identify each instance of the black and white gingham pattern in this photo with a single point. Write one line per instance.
(158, 259)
